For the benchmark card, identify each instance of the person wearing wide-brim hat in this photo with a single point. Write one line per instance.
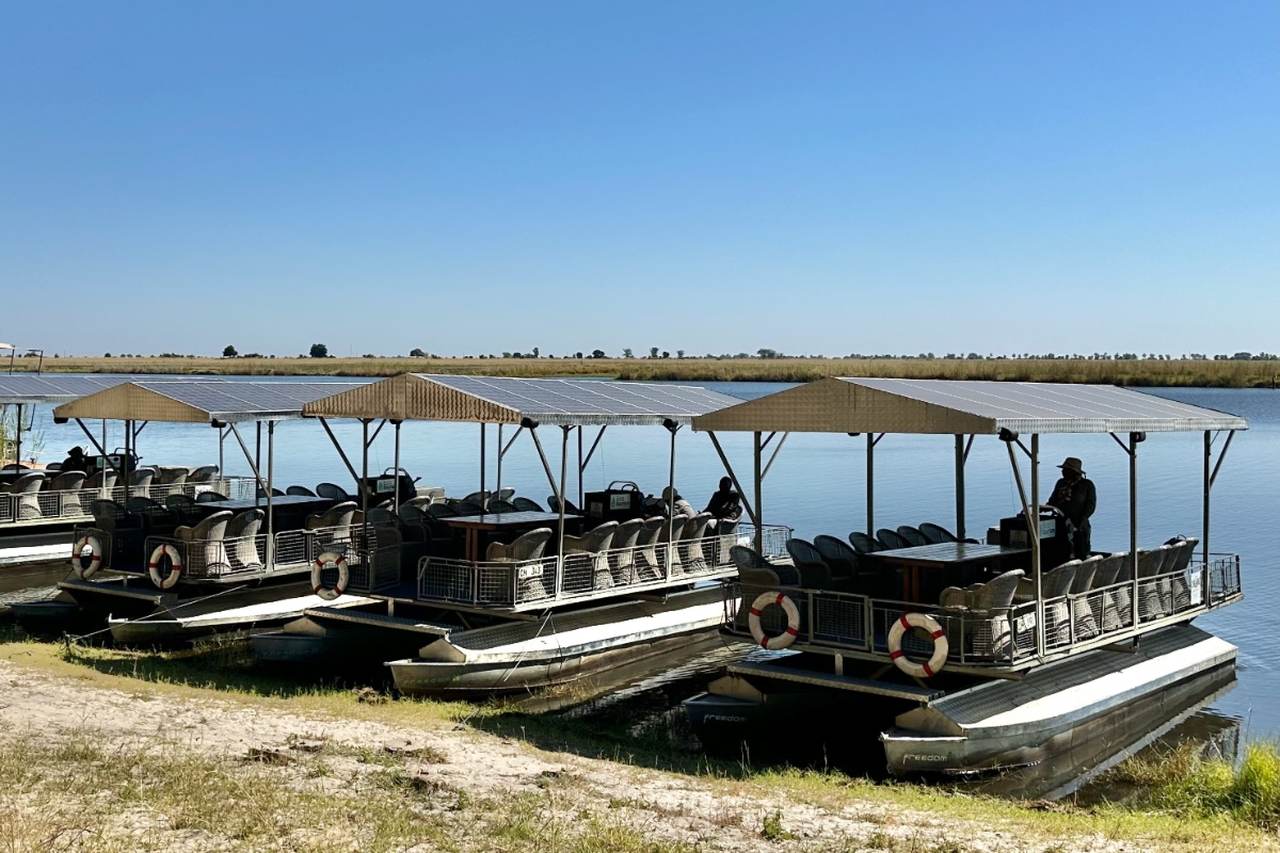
(75, 460)
(1076, 496)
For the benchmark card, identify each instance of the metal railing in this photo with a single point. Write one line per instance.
(849, 622)
(49, 506)
(248, 557)
(583, 576)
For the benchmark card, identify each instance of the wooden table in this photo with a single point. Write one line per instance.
(515, 522)
(921, 558)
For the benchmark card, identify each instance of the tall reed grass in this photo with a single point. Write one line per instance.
(1183, 781)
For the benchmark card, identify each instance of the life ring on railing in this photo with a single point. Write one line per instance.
(787, 637)
(339, 562)
(175, 566)
(77, 556)
(941, 647)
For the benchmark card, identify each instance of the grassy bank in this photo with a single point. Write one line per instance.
(322, 792)
(1141, 372)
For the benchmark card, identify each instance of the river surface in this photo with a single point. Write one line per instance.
(817, 485)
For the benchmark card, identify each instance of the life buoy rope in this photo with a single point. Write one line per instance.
(941, 647)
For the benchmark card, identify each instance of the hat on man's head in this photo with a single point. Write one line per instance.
(76, 451)
(1072, 463)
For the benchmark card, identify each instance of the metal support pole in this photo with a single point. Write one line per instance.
(222, 437)
(960, 531)
(1204, 528)
(1133, 520)
(363, 551)
(672, 428)
(759, 486)
(564, 474)
(257, 448)
(271, 516)
(244, 448)
(724, 460)
(396, 493)
(342, 454)
(871, 484)
(581, 501)
(546, 466)
(1033, 524)
(127, 474)
(17, 447)
(101, 448)
(483, 431)
(497, 486)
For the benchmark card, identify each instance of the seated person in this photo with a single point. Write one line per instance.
(75, 460)
(725, 503)
(673, 504)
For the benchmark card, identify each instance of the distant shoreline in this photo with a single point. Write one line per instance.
(1132, 372)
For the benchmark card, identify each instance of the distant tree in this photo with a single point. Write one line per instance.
(679, 353)
(229, 352)
(417, 352)
(626, 353)
(768, 353)
(578, 354)
(535, 352)
(666, 354)
(319, 351)
(597, 353)
(106, 355)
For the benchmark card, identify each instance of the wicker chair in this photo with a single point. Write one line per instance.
(554, 504)
(526, 505)
(624, 551)
(527, 548)
(203, 474)
(140, 480)
(1156, 596)
(890, 539)
(206, 552)
(813, 570)
(693, 558)
(593, 542)
(1086, 623)
(209, 497)
(648, 566)
(839, 557)
(101, 482)
(936, 534)
(26, 489)
(332, 491)
(505, 494)
(300, 491)
(497, 505)
(864, 543)
(183, 507)
(68, 485)
(241, 534)
(466, 508)
(338, 517)
(984, 610)
(912, 535)
(1185, 549)
(52, 467)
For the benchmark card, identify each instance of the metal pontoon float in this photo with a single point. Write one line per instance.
(1019, 678)
(33, 523)
(480, 625)
(223, 583)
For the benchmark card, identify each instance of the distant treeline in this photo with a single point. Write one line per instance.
(1224, 372)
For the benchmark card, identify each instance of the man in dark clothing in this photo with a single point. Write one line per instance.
(725, 504)
(75, 460)
(1076, 497)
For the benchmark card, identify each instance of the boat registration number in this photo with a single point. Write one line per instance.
(526, 573)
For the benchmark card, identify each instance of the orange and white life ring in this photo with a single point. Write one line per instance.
(325, 560)
(91, 543)
(161, 551)
(788, 636)
(941, 647)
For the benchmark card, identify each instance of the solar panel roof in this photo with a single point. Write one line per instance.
(964, 407)
(200, 400)
(47, 388)
(489, 399)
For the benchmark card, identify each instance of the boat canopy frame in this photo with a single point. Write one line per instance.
(966, 409)
(527, 404)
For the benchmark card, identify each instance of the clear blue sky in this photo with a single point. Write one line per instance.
(812, 177)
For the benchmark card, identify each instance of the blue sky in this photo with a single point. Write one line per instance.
(480, 177)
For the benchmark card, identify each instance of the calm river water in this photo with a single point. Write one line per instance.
(817, 486)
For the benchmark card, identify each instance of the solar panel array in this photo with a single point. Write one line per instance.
(575, 401)
(230, 401)
(44, 388)
(1057, 407)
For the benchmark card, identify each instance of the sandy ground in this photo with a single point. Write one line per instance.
(666, 807)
